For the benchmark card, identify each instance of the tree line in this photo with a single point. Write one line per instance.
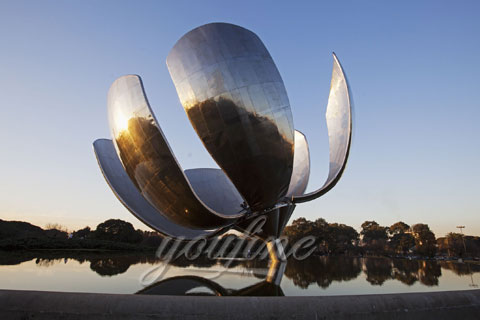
(112, 234)
(399, 239)
(374, 239)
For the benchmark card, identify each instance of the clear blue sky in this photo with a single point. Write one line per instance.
(413, 67)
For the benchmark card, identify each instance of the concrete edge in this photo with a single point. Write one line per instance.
(15, 304)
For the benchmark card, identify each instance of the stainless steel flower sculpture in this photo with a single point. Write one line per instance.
(236, 101)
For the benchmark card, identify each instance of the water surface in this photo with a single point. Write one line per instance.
(338, 275)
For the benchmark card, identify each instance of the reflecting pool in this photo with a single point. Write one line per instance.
(317, 275)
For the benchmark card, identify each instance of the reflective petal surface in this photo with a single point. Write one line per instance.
(301, 166)
(236, 101)
(131, 198)
(215, 190)
(149, 161)
(339, 123)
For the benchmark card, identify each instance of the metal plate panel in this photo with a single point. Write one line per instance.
(339, 123)
(215, 190)
(131, 198)
(301, 166)
(149, 161)
(236, 101)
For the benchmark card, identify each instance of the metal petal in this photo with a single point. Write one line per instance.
(131, 198)
(215, 190)
(339, 123)
(301, 166)
(149, 161)
(236, 101)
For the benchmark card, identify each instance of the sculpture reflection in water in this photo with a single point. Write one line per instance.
(193, 285)
(313, 272)
(320, 271)
(237, 103)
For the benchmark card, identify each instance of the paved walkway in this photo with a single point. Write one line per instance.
(458, 305)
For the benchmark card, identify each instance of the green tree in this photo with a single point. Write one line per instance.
(340, 237)
(371, 230)
(330, 237)
(117, 230)
(82, 233)
(425, 242)
(455, 245)
(398, 227)
(321, 233)
(56, 226)
(374, 236)
(300, 228)
(402, 242)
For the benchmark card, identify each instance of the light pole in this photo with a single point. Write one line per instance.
(463, 239)
(473, 285)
